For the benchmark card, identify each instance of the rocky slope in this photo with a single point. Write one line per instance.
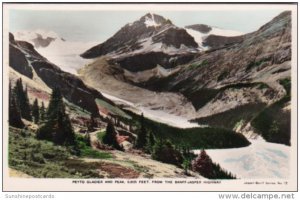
(61, 52)
(24, 59)
(236, 73)
(247, 74)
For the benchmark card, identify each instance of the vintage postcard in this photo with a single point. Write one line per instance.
(149, 97)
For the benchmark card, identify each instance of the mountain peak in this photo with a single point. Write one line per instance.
(151, 19)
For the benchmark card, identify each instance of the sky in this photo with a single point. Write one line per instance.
(100, 25)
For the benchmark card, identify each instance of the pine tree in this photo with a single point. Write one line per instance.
(42, 112)
(203, 164)
(36, 111)
(22, 100)
(110, 136)
(91, 123)
(150, 142)
(14, 112)
(142, 134)
(164, 151)
(58, 127)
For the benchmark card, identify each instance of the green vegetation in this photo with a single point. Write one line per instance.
(85, 150)
(14, 110)
(196, 138)
(22, 100)
(76, 109)
(114, 109)
(142, 134)
(57, 128)
(42, 112)
(36, 111)
(273, 123)
(164, 151)
(110, 136)
(43, 159)
(100, 135)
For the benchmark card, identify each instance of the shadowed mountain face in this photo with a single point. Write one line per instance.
(26, 60)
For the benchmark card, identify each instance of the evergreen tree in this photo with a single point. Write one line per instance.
(92, 123)
(110, 136)
(14, 112)
(164, 151)
(186, 165)
(42, 112)
(142, 134)
(58, 127)
(36, 111)
(150, 142)
(22, 100)
(203, 164)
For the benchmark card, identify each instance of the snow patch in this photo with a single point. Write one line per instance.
(64, 54)
(199, 37)
(151, 21)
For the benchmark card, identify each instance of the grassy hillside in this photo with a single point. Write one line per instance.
(43, 159)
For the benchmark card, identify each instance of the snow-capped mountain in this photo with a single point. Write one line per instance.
(151, 33)
(56, 49)
(150, 41)
(155, 41)
(202, 34)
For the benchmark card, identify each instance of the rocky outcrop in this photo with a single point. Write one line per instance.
(24, 59)
(17, 59)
